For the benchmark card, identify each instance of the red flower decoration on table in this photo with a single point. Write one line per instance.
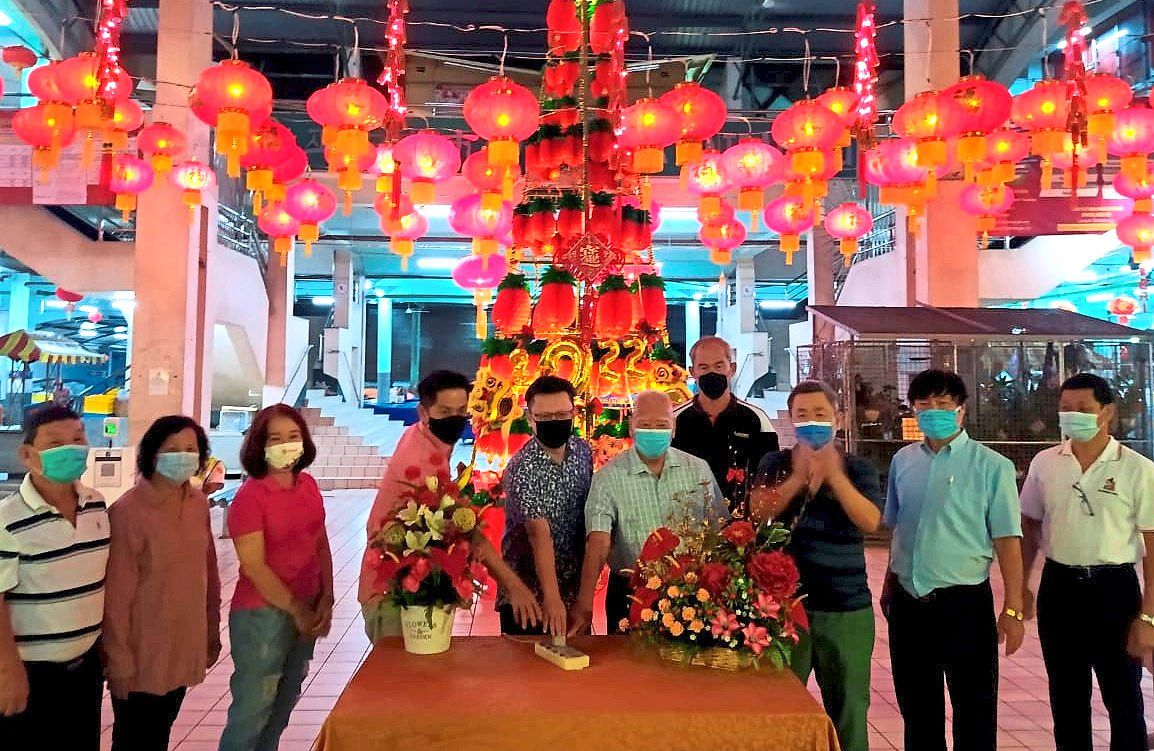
(740, 533)
(713, 578)
(412, 473)
(661, 543)
(643, 598)
(799, 616)
(682, 565)
(453, 561)
(417, 573)
(775, 573)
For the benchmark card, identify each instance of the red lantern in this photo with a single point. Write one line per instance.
(986, 203)
(384, 167)
(1139, 191)
(311, 204)
(570, 216)
(721, 239)
(809, 132)
(19, 57)
(348, 110)
(700, 115)
(504, 113)
(1044, 111)
(71, 298)
(128, 177)
(1132, 139)
(564, 27)
(556, 308)
(849, 222)
(47, 129)
(725, 213)
(161, 142)
(751, 166)
(984, 106)
(930, 119)
(613, 311)
(1004, 149)
(78, 79)
(654, 309)
(127, 117)
(467, 217)
(705, 178)
(512, 310)
(192, 177)
(268, 146)
(789, 216)
(232, 97)
(480, 275)
(403, 234)
(647, 127)
(841, 101)
(43, 82)
(293, 166)
(1076, 163)
(1105, 95)
(281, 227)
(496, 184)
(1137, 231)
(426, 158)
(1122, 307)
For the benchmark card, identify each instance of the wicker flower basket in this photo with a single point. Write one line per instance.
(717, 658)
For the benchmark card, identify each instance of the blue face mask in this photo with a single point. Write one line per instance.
(652, 443)
(1079, 426)
(64, 464)
(178, 466)
(938, 424)
(814, 434)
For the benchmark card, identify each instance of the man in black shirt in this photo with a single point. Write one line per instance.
(716, 426)
(828, 499)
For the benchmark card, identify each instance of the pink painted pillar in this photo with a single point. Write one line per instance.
(279, 282)
(172, 340)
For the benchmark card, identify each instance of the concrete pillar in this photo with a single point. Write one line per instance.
(692, 325)
(279, 281)
(172, 353)
(746, 279)
(931, 44)
(344, 342)
(384, 348)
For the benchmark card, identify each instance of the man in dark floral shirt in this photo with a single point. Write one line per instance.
(546, 484)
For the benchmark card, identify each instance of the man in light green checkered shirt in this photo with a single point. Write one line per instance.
(640, 490)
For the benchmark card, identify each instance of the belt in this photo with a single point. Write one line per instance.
(937, 594)
(1089, 572)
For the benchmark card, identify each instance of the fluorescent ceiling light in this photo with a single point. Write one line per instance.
(1082, 276)
(777, 304)
(123, 295)
(87, 326)
(379, 292)
(120, 336)
(697, 295)
(435, 211)
(88, 309)
(5, 19)
(88, 333)
(121, 329)
(1060, 304)
(1114, 36)
(323, 300)
(1100, 297)
(712, 289)
(58, 304)
(437, 263)
(368, 284)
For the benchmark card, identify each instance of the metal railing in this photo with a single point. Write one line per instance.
(882, 239)
(358, 387)
(296, 371)
(237, 231)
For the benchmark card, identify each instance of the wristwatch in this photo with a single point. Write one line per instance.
(1017, 615)
(1147, 619)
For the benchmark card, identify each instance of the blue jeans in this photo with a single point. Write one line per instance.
(270, 661)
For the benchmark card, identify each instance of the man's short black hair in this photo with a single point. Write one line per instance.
(1103, 394)
(549, 384)
(158, 433)
(43, 416)
(936, 382)
(441, 380)
(812, 387)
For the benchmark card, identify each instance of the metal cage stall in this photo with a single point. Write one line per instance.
(1013, 385)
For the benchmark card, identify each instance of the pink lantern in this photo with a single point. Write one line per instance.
(403, 233)
(128, 177)
(722, 238)
(1132, 139)
(789, 216)
(849, 222)
(1137, 231)
(1139, 191)
(480, 274)
(467, 216)
(751, 166)
(426, 158)
(95, 317)
(986, 203)
(311, 203)
(705, 179)
(281, 226)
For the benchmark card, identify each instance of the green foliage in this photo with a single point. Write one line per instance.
(613, 283)
(514, 281)
(554, 275)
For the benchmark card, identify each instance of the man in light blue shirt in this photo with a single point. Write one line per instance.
(953, 506)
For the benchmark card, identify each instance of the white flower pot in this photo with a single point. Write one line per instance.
(427, 630)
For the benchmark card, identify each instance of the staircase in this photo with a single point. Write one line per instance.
(353, 444)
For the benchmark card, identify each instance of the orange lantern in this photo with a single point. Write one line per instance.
(705, 179)
(47, 129)
(426, 158)
(1137, 231)
(19, 57)
(1132, 139)
(1004, 149)
(128, 177)
(808, 132)
(268, 145)
(311, 204)
(192, 177)
(841, 101)
(1105, 95)
(486, 178)
(232, 97)
(930, 119)
(700, 115)
(281, 227)
(848, 222)
(647, 127)
(161, 142)
(1122, 308)
(722, 239)
(78, 79)
(504, 113)
(403, 234)
(1044, 111)
(789, 216)
(751, 166)
(127, 117)
(983, 106)
(385, 168)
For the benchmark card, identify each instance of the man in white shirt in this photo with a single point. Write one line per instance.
(1088, 505)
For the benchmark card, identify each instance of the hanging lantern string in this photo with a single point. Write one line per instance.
(806, 67)
(235, 34)
(748, 123)
(929, 55)
(836, 68)
(504, 53)
(1045, 37)
(970, 54)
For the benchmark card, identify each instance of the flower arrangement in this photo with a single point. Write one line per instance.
(426, 548)
(723, 596)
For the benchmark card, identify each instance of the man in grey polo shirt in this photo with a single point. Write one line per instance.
(53, 553)
(640, 490)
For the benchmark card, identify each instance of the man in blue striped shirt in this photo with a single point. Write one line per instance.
(53, 553)
(952, 505)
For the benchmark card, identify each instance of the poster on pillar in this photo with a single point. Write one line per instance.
(1054, 211)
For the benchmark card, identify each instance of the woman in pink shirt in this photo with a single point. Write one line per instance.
(162, 590)
(284, 598)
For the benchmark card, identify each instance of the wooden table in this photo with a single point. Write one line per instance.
(494, 694)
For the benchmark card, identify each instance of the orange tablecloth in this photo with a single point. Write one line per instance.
(494, 694)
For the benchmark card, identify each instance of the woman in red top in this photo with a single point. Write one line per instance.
(162, 590)
(284, 598)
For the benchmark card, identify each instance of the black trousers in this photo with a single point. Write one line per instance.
(144, 721)
(617, 601)
(950, 634)
(1084, 617)
(63, 707)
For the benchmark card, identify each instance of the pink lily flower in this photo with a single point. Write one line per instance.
(724, 624)
(767, 606)
(756, 638)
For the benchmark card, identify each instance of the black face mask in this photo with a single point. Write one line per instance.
(554, 433)
(713, 385)
(448, 429)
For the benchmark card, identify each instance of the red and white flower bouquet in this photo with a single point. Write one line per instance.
(722, 597)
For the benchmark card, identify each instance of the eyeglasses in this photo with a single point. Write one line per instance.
(1086, 507)
(551, 416)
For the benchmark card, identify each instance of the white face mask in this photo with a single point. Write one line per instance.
(284, 455)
